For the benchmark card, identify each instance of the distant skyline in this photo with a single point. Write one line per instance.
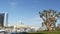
(27, 10)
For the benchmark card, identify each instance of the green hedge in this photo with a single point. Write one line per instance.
(46, 32)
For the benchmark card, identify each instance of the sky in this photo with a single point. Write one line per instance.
(27, 10)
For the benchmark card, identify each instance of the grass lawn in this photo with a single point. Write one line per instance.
(46, 32)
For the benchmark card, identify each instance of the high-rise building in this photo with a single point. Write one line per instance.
(3, 19)
(6, 19)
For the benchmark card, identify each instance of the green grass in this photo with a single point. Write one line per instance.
(46, 32)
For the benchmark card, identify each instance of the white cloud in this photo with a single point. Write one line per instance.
(36, 21)
(13, 3)
(36, 1)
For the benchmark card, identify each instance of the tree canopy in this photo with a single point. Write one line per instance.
(49, 17)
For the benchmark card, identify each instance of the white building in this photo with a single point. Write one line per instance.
(6, 19)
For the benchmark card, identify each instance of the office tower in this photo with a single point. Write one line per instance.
(3, 19)
(6, 19)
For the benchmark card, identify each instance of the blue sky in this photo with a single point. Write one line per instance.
(27, 10)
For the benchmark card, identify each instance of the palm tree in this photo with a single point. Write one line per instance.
(49, 17)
